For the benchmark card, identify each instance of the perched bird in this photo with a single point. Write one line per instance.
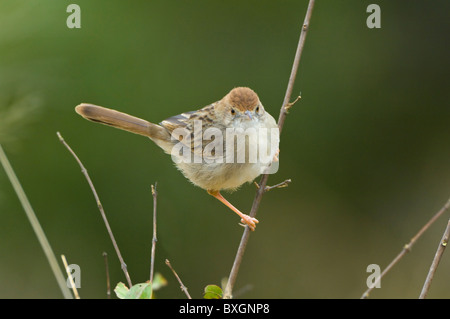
(245, 143)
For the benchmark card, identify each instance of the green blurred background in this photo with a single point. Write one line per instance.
(367, 147)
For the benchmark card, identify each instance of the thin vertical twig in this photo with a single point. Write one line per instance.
(154, 239)
(437, 258)
(69, 276)
(182, 286)
(262, 184)
(51, 258)
(407, 248)
(108, 285)
(100, 207)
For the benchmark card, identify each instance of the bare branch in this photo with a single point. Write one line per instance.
(283, 112)
(437, 258)
(182, 286)
(100, 207)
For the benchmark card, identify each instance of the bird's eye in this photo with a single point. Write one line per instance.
(233, 111)
(257, 109)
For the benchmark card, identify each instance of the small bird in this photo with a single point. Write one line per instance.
(212, 164)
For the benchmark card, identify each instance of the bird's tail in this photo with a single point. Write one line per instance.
(122, 121)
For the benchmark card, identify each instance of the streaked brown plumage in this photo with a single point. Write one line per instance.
(240, 108)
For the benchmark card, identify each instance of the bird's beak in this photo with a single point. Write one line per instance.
(249, 114)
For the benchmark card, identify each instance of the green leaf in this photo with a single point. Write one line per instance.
(146, 292)
(213, 292)
(138, 291)
(121, 290)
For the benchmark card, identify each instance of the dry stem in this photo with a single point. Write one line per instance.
(100, 207)
(437, 258)
(182, 286)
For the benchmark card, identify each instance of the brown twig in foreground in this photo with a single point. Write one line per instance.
(154, 240)
(407, 248)
(437, 258)
(100, 207)
(182, 286)
(283, 112)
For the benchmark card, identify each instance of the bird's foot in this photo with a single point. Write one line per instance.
(249, 221)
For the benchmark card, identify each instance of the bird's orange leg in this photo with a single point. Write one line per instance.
(249, 221)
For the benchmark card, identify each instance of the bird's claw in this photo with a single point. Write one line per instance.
(249, 221)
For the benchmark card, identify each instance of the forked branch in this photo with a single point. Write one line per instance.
(407, 248)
